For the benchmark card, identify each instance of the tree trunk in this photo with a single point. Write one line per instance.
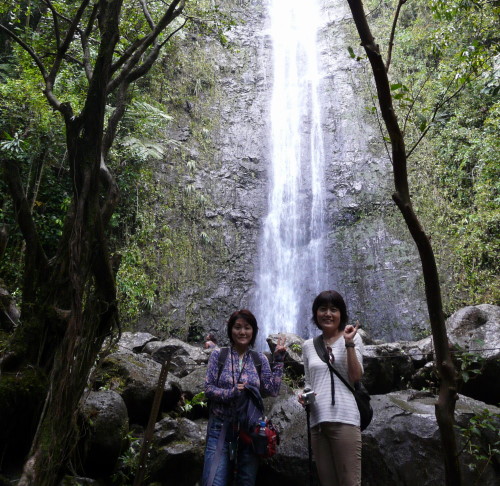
(83, 260)
(445, 405)
(69, 300)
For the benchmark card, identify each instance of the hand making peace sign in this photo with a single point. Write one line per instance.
(280, 350)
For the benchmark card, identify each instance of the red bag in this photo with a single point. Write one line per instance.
(263, 445)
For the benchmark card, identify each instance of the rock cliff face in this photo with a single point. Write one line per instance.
(225, 130)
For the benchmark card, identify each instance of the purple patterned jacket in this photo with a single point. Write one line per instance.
(223, 393)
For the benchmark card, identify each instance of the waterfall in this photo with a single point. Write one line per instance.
(292, 265)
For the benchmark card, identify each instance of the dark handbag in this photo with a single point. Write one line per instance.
(360, 393)
(249, 408)
(362, 398)
(250, 412)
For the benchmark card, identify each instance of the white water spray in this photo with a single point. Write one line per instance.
(293, 268)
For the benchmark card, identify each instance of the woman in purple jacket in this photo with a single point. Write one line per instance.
(225, 455)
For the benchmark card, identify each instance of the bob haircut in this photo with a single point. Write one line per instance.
(248, 317)
(330, 297)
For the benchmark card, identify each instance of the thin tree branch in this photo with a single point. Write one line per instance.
(74, 60)
(63, 48)
(59, 15)
(379, 121)
(84, 34)
(393, 31)
(410, 109)
(27, 48)
(23, 213)
(174, 10)
(90, 23)
(86, 55)
(438, 107)
(126, 55)
(147, 15)
(145, 66)
(174, 32)
(55, 15)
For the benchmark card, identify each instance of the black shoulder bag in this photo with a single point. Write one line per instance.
(360, 393)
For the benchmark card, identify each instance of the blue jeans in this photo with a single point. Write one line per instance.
(245, 466)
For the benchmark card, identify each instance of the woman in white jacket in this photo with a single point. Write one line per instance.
(335, 430)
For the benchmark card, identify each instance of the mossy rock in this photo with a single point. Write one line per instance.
(22, 395)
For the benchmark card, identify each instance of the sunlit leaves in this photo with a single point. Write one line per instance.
(12, 145)
(353, 55)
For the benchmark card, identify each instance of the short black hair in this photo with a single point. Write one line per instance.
(211, 337)
(248, 317)
(330, 297)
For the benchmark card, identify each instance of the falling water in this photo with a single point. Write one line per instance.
(292, 264)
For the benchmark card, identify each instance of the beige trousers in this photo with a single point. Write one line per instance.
(337, 452)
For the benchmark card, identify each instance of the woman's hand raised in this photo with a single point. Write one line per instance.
(350, 331)
(280, 349)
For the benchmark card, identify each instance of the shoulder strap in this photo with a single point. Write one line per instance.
(223, 356)
(321, 350)
(342, 379)
(221, 361)
(257, 361)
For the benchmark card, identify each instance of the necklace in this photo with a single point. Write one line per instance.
(241, 362)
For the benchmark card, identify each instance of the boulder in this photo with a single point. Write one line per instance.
(388, 367)
(184, 357)
(106, 426)
(475, 328)
(176, 458)
(293, 357)
(401, 446)
(474, 335)
(135, 341)
(135, 377)
(475, 343)
(194, 382)
(9, 313)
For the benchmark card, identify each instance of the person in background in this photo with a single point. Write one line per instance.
(210, 341)
(335, 430)
(226, 456)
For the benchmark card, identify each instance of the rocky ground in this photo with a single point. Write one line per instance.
(400, 447)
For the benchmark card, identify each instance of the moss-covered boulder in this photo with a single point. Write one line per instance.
(22, 395)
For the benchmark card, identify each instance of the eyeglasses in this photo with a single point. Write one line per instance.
(331, 357)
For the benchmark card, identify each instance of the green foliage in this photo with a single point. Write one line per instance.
(168, 245)
(158, 257)
(481, 438)
(446, 85)
(21, 394)
(128, 462)
(159, 227)
(198, 399)
(33, 136)
(468, 364)
(293, 379)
